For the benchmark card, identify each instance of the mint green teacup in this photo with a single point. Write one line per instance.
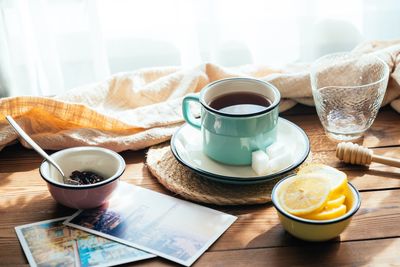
(231, 136)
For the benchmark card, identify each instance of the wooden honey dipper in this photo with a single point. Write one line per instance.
(356, 154)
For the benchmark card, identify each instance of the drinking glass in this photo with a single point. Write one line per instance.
(348, 90)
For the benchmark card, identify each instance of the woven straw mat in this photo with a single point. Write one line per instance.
(181, 180)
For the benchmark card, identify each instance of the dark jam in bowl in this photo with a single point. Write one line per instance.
(86, 177)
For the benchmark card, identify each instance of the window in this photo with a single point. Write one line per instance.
(50, 46)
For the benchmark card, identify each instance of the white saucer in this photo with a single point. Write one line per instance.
(186, 145)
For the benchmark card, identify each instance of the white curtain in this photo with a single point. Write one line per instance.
(49, 46)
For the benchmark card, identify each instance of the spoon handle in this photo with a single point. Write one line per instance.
(33, 143)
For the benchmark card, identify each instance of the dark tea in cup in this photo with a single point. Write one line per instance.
(240, 103)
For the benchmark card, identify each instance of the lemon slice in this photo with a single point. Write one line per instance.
(334, 203)
(327, 214)
(304, 194)
(337, 178)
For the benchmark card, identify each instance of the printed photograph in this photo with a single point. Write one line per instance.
(168, 227)
(51, 243)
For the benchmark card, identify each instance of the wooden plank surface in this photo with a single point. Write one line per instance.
(256, 238)
(381, 252)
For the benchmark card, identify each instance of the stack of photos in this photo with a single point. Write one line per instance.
(51, 243)
(148, 222)
(156, 223)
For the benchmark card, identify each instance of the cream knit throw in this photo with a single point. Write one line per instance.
(138, 109)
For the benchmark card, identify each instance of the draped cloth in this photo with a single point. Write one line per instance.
(134, 110)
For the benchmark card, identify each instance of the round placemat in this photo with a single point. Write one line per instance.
(181, 180)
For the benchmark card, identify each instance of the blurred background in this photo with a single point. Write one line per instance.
(50, 46)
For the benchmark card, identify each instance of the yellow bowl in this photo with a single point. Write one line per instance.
(313, 230)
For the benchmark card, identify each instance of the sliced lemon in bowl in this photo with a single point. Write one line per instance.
(327, 214)
(338, 179)
(305, 194)
(336, 202)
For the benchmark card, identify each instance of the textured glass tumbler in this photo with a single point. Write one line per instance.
(348, 91)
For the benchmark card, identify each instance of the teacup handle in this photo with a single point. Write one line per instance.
(187, 115)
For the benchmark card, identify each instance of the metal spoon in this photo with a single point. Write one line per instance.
(38, 149)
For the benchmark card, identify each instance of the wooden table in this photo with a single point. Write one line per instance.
(256, 238)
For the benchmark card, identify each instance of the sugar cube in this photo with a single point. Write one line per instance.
(259, 162)
(279, 162)
(275, 149)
